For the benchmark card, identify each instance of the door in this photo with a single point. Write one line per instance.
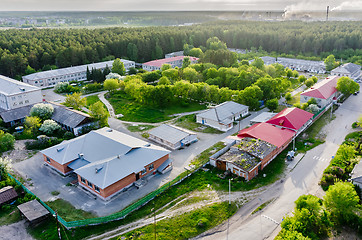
(137, 176)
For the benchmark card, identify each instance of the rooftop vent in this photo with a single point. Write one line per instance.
(81, 155)
(60, 149)
(148, 145)
(98, 169)
(22, 89)
(110, 130)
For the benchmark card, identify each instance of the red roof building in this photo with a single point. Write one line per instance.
(269, 133)
(323, 89)
(292, 118)
(173, 61)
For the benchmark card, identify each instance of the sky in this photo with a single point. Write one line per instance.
(177, 5)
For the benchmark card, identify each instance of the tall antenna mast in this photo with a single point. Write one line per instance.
(327, 13)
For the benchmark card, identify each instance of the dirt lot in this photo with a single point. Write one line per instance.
(19, 153)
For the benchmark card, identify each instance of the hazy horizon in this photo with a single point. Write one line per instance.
(186, 5)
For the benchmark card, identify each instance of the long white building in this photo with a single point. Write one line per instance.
(78, 73)
(15, 94)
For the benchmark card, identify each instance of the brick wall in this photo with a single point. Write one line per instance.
(61, 168)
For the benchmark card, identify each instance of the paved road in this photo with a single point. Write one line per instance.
(303, 179)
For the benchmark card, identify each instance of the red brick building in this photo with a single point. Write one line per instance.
(107, 161)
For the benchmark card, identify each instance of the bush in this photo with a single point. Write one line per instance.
(49, 127)
(6, 141)
(68, 135)
(93, 87)
(64, 87)
(42, 143)
(354, 125)
(42, 110)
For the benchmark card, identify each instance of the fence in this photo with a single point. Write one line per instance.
(115, 216)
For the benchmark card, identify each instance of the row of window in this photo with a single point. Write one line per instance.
(91, 185)
(19, 97)
(20, 103)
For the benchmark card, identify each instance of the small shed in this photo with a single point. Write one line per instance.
(171, 136)
(33, 211)
(7, 194)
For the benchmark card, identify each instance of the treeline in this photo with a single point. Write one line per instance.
(205, 82)
(41, 48)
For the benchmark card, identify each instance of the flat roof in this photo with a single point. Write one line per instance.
(263, 117)
(33, 210)
(240, 158)
(170, 133)
(223, 112)
(256, 147)
(11, 86)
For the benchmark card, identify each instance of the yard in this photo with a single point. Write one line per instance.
(139, 127)
(295, 99)
(133, 111)
(189, 122)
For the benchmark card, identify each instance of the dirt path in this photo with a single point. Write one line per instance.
(15, 231)
(191, 202)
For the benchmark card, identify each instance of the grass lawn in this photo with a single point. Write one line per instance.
(198, 181)
(139, 128)
(68, 212)
(295, 99)
(135, 112)
(189, 122)
(9, 216)
(315, 130)
(187, 225)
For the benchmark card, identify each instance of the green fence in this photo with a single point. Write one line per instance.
(115, 216)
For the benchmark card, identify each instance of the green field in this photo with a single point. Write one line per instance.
(135, 112)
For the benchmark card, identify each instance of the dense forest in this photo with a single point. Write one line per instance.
(43, 49)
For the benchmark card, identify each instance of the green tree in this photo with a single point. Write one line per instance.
(118, 67)
(272, 104)
(196, 52)
(29, 70)
(5, 166)
(99, 113)
(151, 76)
(42, 110)
(342, 201)
(32, 123)
(258, 63)
(132, 51)
(347, 86)
(288, 96)
(75, 101)
(186, 62)
(111, 84)
(302, 78)
(172, 74)
(330, 62)
(309, 82)
(250, 96)
(164, 81)
(165, 67)
(190, 74)
(6, 141)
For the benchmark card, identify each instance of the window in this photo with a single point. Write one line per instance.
(26, 101)
(90, 184)
(48, 159)
(143, 171)
(150, 167)
(96, 188)
(20, 103)
(82, 180)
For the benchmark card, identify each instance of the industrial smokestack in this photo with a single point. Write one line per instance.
(327, 13)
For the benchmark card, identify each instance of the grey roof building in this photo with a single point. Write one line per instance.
(171, 136)
(15, 94)
(7, 194)
(106, 161)
(70, 119)
(33, 211)
(262, 117)
(222, 116)
(77, 73)
(350, 70)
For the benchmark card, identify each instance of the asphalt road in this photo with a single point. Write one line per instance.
(303, 179)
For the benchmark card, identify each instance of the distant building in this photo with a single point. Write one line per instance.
(173, 61)
(174, 54)
(323, 92)
(236, 50)
(15, 94)
(222, 116)
(296, 64)
(172, 137)
(107, 161)
(350, 70)
(78, 73)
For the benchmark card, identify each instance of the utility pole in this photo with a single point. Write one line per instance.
(58, 229)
